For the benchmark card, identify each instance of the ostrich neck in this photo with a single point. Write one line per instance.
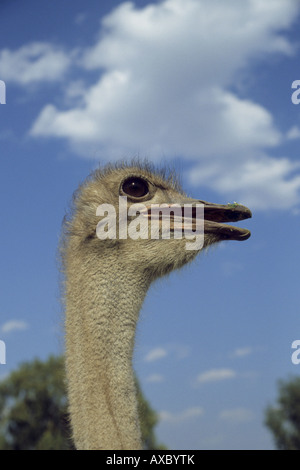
(102, 308)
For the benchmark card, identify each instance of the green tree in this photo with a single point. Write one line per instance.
(283, 420)
(33, 409)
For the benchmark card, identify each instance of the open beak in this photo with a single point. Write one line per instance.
(216, 217)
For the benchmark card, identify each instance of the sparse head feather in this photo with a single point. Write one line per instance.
(165, 176)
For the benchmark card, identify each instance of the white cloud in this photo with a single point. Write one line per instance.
(155, 354)
(80, 18)
(166, 75)
(163, 89)
(178, 351)
(33, 62)
(262, 183)
(237, 415)
(241, 352)
(178, 418)
(215, 375)
(293, 133)
(13, 325)
(154, 378)
(231, 268)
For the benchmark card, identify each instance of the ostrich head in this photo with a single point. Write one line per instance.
(141, 185)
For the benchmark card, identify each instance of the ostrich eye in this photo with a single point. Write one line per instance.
(135, 187)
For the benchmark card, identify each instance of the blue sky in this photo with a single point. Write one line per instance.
(204, 86)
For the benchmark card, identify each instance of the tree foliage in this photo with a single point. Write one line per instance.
(33, 409)
(283, 420)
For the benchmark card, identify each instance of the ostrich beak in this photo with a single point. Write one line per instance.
(216, 217)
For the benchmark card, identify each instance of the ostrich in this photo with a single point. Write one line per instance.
(105, 283)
